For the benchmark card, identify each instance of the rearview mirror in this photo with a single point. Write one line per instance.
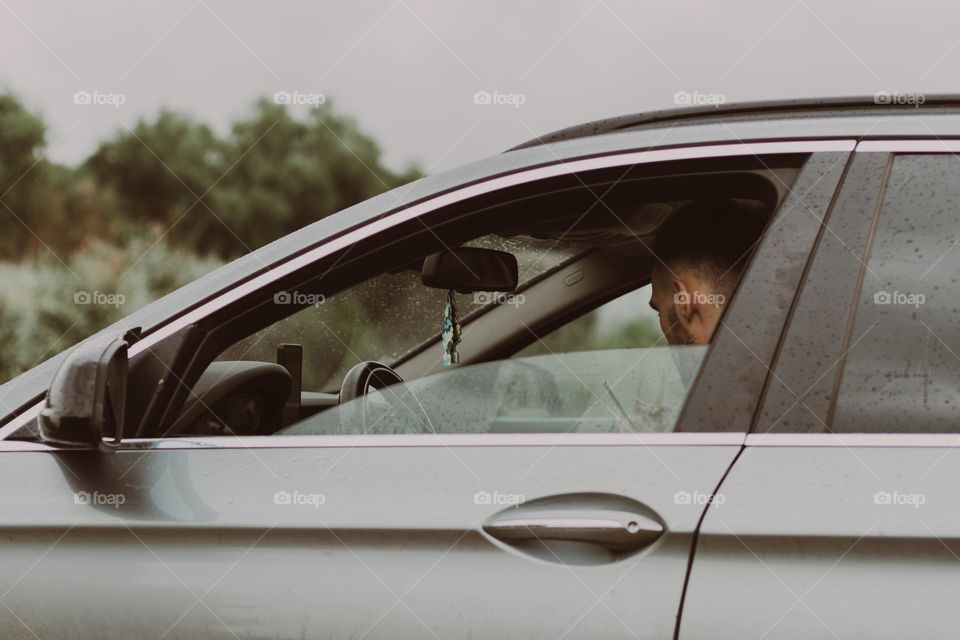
(470, 269)
(87, 397)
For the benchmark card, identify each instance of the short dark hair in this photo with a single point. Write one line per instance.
(715, 237)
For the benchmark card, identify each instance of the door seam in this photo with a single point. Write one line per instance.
(696, 538)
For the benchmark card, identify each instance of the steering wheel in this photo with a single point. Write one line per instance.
(364, 375)
(356, 385)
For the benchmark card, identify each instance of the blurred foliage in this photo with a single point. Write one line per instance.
(46, 307)
(271, 175)
(157, 206)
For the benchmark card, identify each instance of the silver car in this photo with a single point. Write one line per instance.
(448, 412)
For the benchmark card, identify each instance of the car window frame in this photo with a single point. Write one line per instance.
(302, 262)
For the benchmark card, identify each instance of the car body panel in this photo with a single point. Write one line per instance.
(199, 545)
(825, 540)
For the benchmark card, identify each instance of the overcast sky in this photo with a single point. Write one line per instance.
(408, 70)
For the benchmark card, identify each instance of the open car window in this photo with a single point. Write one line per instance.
(613, 390)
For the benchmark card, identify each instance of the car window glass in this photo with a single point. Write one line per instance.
(617, 390)
(902, 369)
(339, 331)
(624, 322)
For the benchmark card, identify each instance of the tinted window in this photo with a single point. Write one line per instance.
(902, 369)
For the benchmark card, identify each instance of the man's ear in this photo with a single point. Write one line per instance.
(684, 302)
(693, 310)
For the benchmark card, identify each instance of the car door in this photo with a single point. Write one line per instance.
(451, 536)
(840, 517)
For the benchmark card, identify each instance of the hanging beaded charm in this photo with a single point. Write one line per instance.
(450, 331)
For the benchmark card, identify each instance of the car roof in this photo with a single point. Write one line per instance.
(880, 104)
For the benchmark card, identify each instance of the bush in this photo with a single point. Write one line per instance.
(47, 306)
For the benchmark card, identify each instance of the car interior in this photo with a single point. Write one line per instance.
(519, 265)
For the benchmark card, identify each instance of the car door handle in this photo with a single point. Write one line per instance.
(612, 529)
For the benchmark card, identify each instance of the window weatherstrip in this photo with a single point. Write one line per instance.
(853, 440)
(362, 441)
(910, 146)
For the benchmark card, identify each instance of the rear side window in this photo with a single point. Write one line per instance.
(901, 372)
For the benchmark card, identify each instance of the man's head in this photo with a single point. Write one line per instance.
(699, 254)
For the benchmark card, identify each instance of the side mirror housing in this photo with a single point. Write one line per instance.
(470, 269)
(86, 400)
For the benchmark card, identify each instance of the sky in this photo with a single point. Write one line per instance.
(443, 83)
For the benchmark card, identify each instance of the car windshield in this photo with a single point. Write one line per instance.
(339, 331)
(629, 390)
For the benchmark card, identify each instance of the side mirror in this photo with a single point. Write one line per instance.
(470, 269)
(86, 400)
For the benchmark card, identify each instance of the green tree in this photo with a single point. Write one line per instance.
(23, 176)
(46, 307)
(44, 207)
(284, 173)
(159, 169)
(271, 175)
